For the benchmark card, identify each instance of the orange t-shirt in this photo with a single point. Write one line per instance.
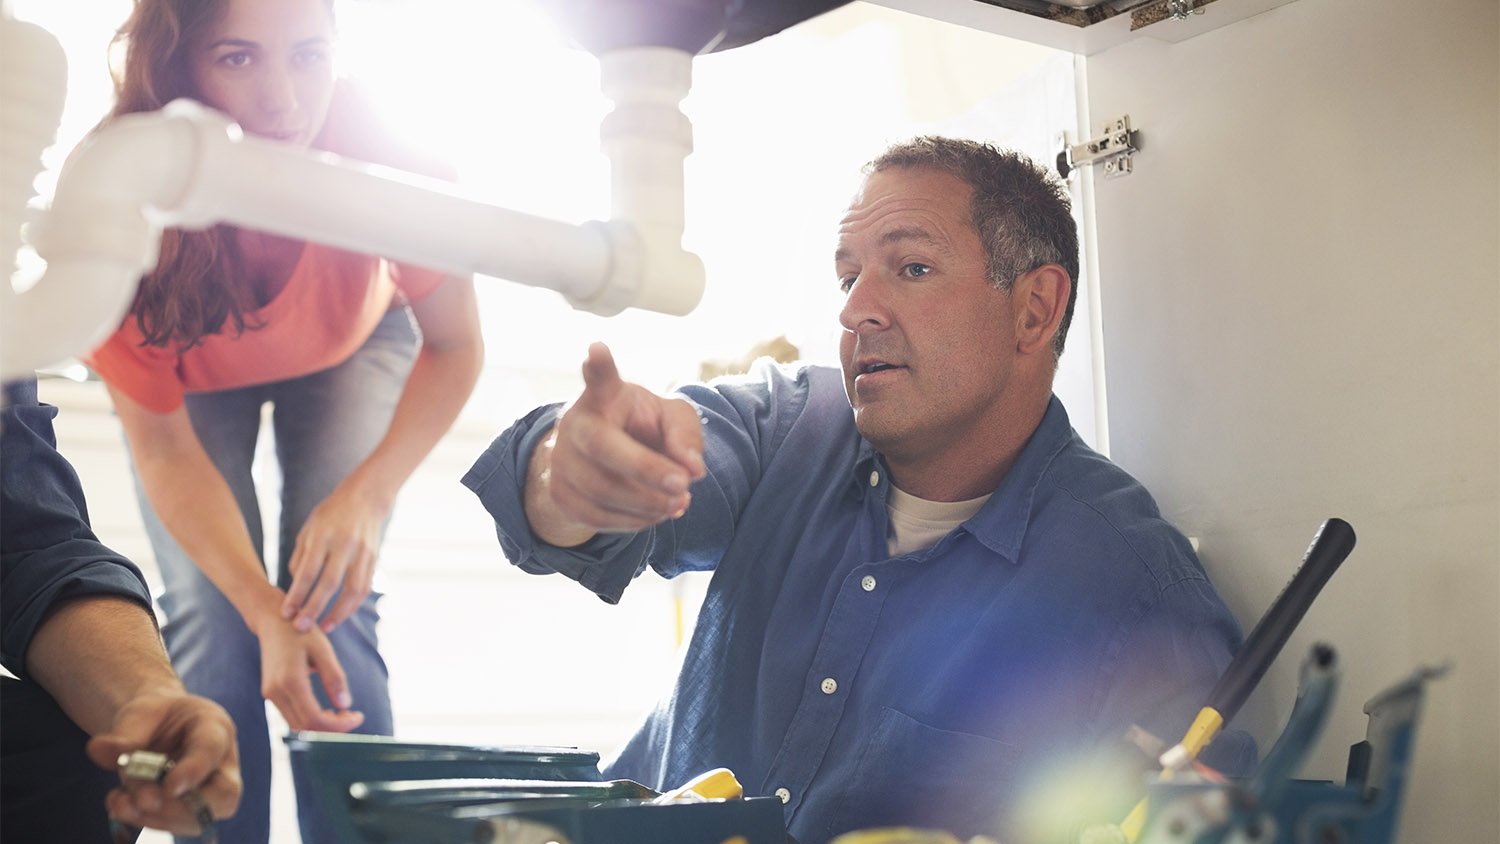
(327, 310)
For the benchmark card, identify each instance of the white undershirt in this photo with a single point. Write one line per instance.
(917, 523)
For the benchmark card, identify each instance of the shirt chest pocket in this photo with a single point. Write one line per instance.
(913, 774)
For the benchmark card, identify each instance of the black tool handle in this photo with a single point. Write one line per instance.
(1329, 548)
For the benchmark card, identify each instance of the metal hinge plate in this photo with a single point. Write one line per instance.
(1113, 146)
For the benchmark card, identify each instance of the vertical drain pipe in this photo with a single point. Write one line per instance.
(33, 85)
(646, 138)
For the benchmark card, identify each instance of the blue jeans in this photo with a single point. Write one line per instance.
(323, 425)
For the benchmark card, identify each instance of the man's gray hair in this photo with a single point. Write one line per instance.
(1021, 211)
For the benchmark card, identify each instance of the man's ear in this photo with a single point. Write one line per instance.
(1041, 297)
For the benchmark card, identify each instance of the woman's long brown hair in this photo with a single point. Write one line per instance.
(199, 281)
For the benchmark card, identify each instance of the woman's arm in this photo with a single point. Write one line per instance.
(338, 543)
(197, 507)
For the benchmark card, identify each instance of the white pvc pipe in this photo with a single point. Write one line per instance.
(264, 185)
(646, 138)
(33, 83)
(190, 167)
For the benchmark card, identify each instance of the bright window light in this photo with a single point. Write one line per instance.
(780, 128)
(492, 88)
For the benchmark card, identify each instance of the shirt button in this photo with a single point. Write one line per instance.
(875, 478)
(868, 584)
(830, 685)
(783, 795)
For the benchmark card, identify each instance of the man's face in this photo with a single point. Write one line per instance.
(928, 342)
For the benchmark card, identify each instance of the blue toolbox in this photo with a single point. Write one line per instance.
(383, 791)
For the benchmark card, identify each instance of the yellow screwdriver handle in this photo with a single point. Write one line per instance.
(1202, 731)
(718, 784)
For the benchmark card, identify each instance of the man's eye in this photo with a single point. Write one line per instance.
(915, 270)
(846, 282)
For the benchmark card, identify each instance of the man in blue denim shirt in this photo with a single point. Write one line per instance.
(941, 609)
(79, 634)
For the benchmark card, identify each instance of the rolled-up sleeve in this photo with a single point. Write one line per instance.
(744, 419)
(48, 552)
(604, 565)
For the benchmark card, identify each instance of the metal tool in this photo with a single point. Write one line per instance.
(1330, 546)
(150, 766)
(1274, 808)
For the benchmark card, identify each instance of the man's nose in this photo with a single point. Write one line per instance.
(864, 305)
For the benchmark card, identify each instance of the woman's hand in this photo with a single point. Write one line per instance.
(287, 659)
(335, 554)
(337, 546)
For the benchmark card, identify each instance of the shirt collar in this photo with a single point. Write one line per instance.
(1000, 525)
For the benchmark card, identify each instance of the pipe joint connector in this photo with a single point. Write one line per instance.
(648, 269)
(209, 137)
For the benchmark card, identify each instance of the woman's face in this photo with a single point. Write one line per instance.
(268, 64)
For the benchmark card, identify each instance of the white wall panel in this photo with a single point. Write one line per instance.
(1301, 302)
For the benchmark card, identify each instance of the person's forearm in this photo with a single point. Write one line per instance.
(439, 385)
(196, 506)
(94, 654)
